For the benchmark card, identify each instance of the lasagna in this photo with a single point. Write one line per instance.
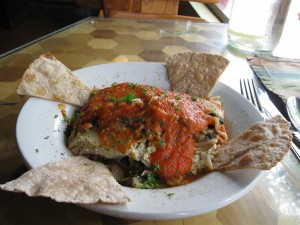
(170, 135)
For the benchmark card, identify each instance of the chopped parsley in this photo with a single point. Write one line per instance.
(113, 84)
(149, 182)
(195, 98)
(210, 134)
(133, 85)
(162, 123)
(151, 100)
(112, 99)
(162, 142)
(165, 94)
(128, 98)
(37, 150)
(170, 195)
(69, 121)
(214, 114)
(140, 119)
(156, 167)
(178, 98)
(180, 119)
(145, 91)
(127, 121)
(167, 157)
(93, 93)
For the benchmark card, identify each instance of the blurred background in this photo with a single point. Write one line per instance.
(22, 21)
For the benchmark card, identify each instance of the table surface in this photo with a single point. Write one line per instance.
(274, 200)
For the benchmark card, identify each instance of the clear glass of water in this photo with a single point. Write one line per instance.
(256, 25)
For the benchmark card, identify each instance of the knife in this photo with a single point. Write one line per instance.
(270, 110)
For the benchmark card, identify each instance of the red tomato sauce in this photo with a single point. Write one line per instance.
(126, 114)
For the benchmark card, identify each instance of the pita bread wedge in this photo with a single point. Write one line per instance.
(48, 78)
(74, 180)
(195, 73)
(262, 146)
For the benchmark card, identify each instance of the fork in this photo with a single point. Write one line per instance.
(248, 90)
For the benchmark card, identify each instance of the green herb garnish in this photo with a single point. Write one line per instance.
(69, 121)
(165, 94)
(162, 142)
(214, 114)
(156, 167)
(133, 85)
(170, 195)
(112, 99)
(195, 98)
(150, 182)
(210, 134)
(127, 121)
(162, 123)
(128, 98)
(151, 100)
(140, 119)
(93, 93)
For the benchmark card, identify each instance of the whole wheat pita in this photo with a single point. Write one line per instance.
(195, 73)
(48, 78)
(261, 146)
(75, 180)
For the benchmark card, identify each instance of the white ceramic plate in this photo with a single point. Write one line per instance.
(40, 136)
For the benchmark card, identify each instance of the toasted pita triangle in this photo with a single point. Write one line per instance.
(48, 78)
(75, 180)
(195, 73)
(262, 146)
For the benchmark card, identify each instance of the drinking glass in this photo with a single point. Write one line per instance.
(256, 25)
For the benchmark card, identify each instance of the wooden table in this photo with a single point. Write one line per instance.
(275, 199)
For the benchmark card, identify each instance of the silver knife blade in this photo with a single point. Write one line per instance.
(270, 110)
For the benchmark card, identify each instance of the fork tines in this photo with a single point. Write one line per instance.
(249, 91)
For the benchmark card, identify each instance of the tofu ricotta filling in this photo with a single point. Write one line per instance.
(166, 135)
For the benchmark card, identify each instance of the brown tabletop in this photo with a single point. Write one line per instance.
(274, 200)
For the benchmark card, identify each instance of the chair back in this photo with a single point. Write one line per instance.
(148, 9)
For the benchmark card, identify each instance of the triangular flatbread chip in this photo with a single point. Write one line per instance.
(75, 180)
(195, 73)
(48, 78)
(261, 146)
